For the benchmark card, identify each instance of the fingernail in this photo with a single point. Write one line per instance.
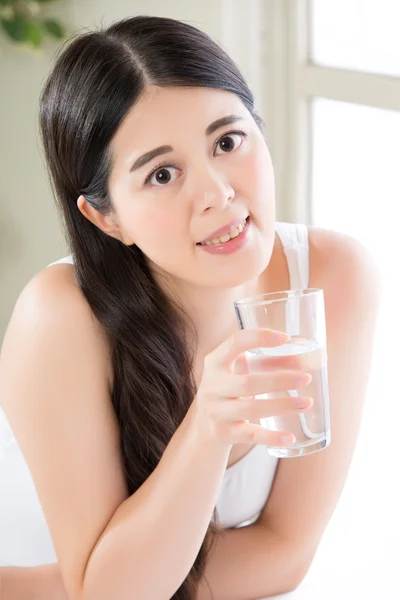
(304, 379)
(288, 438)
(303, 402)
(280, 335)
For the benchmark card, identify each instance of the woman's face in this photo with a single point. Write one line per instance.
(207, 181)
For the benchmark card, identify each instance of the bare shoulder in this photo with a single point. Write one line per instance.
(345, 269)
(329, 248)
(55, 371)
(52, 301)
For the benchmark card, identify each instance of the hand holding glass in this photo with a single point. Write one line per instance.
(300, 314)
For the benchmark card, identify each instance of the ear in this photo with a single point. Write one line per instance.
(107, 223)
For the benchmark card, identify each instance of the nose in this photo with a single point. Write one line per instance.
(211, 191)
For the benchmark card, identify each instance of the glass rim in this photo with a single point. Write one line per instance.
(261, 299)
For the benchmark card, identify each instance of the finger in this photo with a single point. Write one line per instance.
(256, 434)
(236, 386)
(254, 410)
(245, 339)
(241, 365)
(260, 362)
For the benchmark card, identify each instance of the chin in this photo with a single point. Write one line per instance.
(240, 272)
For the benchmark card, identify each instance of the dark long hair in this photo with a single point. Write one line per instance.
(97, 78)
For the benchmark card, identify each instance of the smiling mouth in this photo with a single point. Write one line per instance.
(223, 239)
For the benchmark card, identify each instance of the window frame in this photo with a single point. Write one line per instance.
(290, 83)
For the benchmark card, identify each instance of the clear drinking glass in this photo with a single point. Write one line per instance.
(300, 314)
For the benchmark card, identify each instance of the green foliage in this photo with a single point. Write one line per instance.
(17, 28)
(54, 28)
(26, 22)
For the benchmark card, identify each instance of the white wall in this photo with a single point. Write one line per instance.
(30, 233)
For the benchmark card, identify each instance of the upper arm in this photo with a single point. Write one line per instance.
(306, 489)
(55, 390)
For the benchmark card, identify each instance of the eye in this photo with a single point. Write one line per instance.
(231, 136)
(161, 174)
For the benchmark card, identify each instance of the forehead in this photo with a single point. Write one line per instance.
(168, 115)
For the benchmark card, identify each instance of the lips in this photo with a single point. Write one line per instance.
(225, 230)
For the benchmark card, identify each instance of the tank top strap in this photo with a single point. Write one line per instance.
(67, 259)
(294, 238)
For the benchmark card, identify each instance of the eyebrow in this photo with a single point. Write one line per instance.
(145, 158)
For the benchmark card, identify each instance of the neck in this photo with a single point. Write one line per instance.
(211, 310)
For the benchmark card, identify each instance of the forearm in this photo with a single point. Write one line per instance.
(152, 541)
(250, 562)
(31, 583)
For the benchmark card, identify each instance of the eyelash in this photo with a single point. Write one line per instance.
(240, 132)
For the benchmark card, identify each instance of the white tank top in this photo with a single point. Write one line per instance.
(24, 536)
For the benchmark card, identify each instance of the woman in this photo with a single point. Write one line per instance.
(120, 364)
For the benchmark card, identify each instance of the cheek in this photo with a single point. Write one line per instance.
(153, 229)
(258, 165)
(259, 179)
(263, 170)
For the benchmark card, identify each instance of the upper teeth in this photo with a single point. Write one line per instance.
(234, 232)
